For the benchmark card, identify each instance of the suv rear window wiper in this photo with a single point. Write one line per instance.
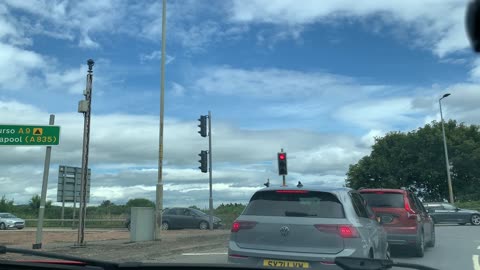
(298, 214)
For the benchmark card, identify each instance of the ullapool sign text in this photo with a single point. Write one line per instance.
(29, 135)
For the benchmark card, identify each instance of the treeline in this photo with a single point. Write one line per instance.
(416, 160)
(106, 210)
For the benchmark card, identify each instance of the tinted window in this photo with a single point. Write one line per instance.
(310, 204)
(171, 212)
(198, 212)
(390, 200)
(448, 206)
(359, 206)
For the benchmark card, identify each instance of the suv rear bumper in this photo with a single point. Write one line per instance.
(401, 238)
(255, 257)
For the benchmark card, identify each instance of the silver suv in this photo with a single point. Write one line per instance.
(9, 221)
(305, 228)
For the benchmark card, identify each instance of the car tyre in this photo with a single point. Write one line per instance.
(475, 219)
(420, 246)
(165, 226)
(203, 225)
(431, 243)
(2, 226)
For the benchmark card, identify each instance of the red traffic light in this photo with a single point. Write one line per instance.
(281, 156)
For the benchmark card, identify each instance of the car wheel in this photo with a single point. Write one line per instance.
(203, 225)
(475, 219)
(165, 226)
(2, 226)
(420, 246)
(432, 239)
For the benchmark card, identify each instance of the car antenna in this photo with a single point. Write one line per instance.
(299, 184)
(267, 184)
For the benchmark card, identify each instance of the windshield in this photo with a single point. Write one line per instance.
(160, 130)
(388, 200)
(7, 216)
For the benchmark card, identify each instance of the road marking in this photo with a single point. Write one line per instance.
(478, 247)
(476, 263)
(212, 253)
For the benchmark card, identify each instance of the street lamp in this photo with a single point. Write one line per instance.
(449, 179)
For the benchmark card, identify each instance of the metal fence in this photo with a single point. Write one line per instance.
(73, 223)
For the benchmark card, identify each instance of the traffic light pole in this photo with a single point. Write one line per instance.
(210, 200)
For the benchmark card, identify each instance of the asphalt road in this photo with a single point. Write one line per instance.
(457, 247)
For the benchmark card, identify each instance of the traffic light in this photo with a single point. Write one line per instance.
(203, 161)
(282, 163)
(203, 125)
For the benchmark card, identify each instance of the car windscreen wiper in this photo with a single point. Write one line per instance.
(352, 263)
(298, 214)
(106, 265)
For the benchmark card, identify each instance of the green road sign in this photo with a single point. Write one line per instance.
(29, 135)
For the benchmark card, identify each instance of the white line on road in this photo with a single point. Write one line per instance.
(476, 263)
(212, 253)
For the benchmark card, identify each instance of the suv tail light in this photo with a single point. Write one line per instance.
(410, 213)
(345, 231)
(242, 225)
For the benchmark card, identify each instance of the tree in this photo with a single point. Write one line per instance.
(6, 205)
(106, 203)
(140, 202)
(416, 160)
(34, 203)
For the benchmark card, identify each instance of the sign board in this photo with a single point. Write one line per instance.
(69, 184)
(29, 135)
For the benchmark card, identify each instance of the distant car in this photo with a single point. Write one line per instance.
(448, 213)
(185, 218)
(305, 227)
(405, 219)
(9, 221)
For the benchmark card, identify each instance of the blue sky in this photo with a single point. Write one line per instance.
(318, 78)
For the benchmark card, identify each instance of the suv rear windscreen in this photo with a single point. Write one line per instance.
(387, 200)
(295, 204)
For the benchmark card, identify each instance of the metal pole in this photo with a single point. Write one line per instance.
(159, 187)
(63, 197)
(449, 179)
(43, 197)
(74, 200)
(210, 200)
(86, 140)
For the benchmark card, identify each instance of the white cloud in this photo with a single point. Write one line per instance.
(123, 155)
(436, 25)
(156, 56)
(178, 89)
(268, 83)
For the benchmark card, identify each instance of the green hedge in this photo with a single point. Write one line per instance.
(473, 205)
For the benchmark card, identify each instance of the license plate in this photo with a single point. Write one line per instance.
(285, 264)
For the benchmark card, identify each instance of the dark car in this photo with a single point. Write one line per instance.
(405, 219)
(448, 213)
(185, 218)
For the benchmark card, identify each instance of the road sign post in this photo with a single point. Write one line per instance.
(29, 135)
(41, 212)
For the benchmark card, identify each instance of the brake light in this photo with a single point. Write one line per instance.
(345, 231)
(407, 206)
(294, 191)
(242, 225)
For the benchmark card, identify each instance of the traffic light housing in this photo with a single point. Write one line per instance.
(282, 163)
(203, 125)
(203, 161)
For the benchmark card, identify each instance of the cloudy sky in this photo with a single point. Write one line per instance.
(320, 79)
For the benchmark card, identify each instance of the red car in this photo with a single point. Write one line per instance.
(403, 216)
